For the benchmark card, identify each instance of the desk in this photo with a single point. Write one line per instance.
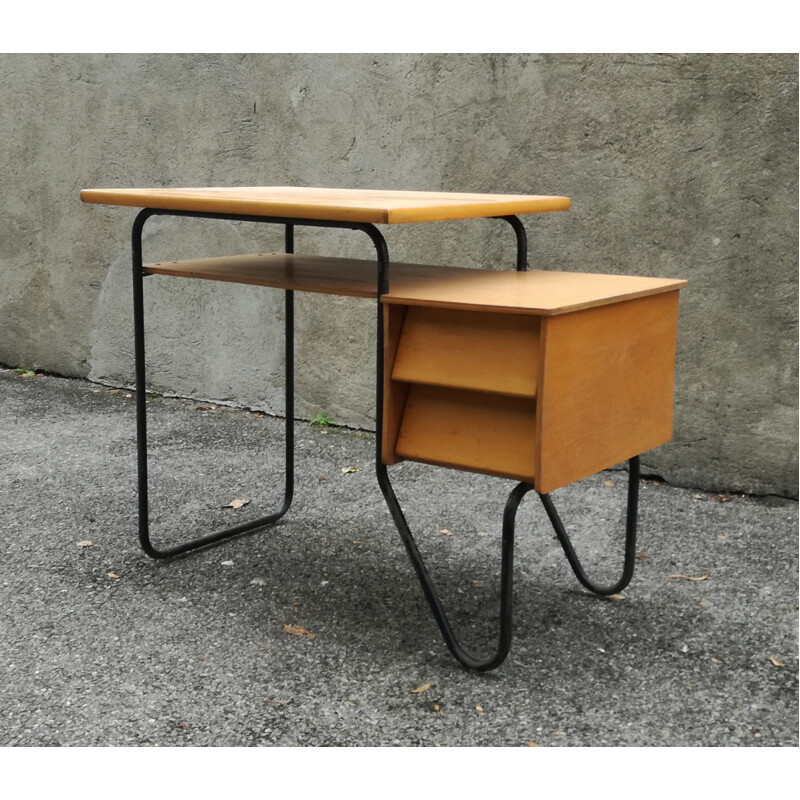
(543, 377)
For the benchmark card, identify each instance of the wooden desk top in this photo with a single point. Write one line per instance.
(340, 205)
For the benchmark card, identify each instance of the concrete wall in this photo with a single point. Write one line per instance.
(677, 166)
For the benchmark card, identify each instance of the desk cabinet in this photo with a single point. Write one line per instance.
(529, 383)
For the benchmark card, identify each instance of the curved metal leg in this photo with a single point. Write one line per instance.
(141, 413)
(506, 570)
(630, 536)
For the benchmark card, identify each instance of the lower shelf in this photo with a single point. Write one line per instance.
(469, 430)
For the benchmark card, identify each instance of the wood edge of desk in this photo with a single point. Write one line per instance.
(478, 210)
(244, 207)
(321, 211)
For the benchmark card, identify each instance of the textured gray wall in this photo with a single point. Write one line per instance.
(677, 166)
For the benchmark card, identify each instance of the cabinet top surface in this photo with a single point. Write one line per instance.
(541, 292)
(341, 205)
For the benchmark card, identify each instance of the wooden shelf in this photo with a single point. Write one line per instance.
(537, 292)
(473, 431)
(475, 350)
(342, 276)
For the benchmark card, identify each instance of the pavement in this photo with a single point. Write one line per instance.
(314, 631)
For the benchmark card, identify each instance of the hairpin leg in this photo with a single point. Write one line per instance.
(630, 536)
(507, 562)
(506, 569)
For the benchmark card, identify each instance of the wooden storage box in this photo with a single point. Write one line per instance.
(543, 377)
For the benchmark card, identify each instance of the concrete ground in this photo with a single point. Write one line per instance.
(101, 645)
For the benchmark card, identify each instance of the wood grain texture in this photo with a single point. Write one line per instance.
(541, 292)
(537, 292)
(347, 277)
(342, 205)
(395, 393)
(469, 350)
(606, 387)
(473, 431)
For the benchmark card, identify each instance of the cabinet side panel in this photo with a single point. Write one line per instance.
(394, 392)
(606, 387)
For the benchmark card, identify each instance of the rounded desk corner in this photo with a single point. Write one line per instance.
(92, 196)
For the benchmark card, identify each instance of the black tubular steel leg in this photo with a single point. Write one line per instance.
(522, 241)
(509, 515)
(141, 414)
(630, 536)
(506, 576)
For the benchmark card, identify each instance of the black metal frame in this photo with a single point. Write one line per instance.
(514, 498)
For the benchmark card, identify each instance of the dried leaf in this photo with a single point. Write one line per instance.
(641, 556)
(203, 408)
(112, 575)
(84, 543)
(532, 744)
(776, 663)
(345, 470)
(477, 583)
(236, 503)
(446, 532)
(299, 630)
(688, 578)
(608, 483)
(421, 689)
(259, 415)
